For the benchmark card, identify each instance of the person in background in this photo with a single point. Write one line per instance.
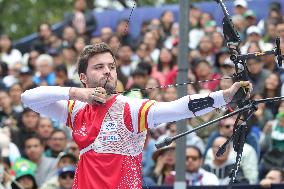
(65, 160)
(46, 167)
(57, 143)
(274, 176)
(25, 174)
(81, 19)
(195, 175)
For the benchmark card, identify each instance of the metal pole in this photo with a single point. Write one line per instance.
(182, 91)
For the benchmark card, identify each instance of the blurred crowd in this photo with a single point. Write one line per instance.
(37, 152)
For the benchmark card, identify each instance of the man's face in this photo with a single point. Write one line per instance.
(193, 160)
(66, 180)
(101, 72)
(227, 127)
(274, 176)
(57, 142)
(30, 119)
(44, 128)
(26, 182)
(33, 149)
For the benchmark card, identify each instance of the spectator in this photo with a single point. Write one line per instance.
(203, 71)
(7, 53)
(42, 44)
(274, 176)
(44, 129)
(153, 92)
(254, 36)
(65, 160)
(15, 92)
(81, 19)
(8, 116)
(6, 175)
(272, 88)
(167, 20)
(122, 30)
(45, 166)
(62, 79)
(257, 74)
(25, 174)
(106, 33)
(165, 66)
(147, 161)
(57, 143)
(72, 148)
(222, 166)
(8, 148)
(69, 36)
(150, 40)
(45, 75)
(240, 7)
(226, 129)
(26, 79)
(66, 177)
(195, 175)
(164, 159)
(27, 125)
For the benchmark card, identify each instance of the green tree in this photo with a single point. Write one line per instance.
(22, 17)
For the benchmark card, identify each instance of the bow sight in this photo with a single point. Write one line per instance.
(245, 107)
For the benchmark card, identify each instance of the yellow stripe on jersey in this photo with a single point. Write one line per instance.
(71, 104)
(143, 124)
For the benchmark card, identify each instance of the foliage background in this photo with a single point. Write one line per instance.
(22, 17)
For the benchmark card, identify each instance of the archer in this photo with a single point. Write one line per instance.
(110, 129)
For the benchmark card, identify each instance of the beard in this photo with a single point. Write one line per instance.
(108, 85)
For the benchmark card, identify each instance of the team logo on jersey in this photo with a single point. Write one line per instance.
(109, 126)
(110, 138)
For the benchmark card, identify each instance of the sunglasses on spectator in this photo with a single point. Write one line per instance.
(65, 175)
(194, 158)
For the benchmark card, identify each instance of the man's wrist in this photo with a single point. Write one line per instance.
(227, 96)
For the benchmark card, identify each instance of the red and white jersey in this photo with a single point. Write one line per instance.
(110, 149)
(110, 136)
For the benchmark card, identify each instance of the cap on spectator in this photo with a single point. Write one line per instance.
(66, 169)
(250, 13)
(23, 167)
(253, 29)
(241, 3)
(162, 150)
(275, 6)
(67, 155)
(25, 71)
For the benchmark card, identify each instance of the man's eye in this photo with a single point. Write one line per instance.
(98, 67)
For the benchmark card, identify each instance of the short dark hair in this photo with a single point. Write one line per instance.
(89, 51)
(195, 148)
(33, 136)
(58, 131)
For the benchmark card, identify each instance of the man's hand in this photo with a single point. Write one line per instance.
(89, 95)
(230, 93)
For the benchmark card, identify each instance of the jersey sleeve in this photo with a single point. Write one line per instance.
(73, 107)
(50, 101)
(147, 114)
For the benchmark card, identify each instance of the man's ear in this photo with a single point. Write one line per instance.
(83, 78)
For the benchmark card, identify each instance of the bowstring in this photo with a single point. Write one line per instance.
(176, 85)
